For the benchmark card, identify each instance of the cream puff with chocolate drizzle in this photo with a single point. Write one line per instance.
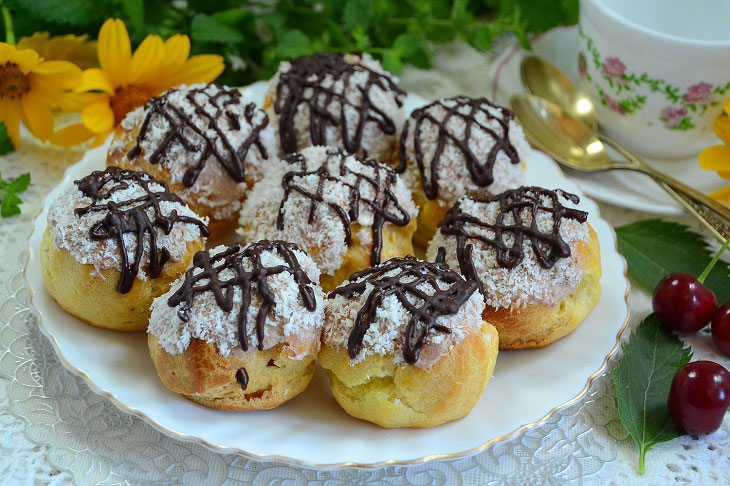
(535, 257)
(114, 241)
(343, 100)
(405, 345)
(347, 213)
(240, 330)
(459, 146)
(205, 141)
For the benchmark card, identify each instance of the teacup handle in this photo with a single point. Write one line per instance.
(712, 214)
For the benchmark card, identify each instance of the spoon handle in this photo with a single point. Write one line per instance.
(710, 213)
(718, 228)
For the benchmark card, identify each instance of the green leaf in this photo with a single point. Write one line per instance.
(208, 29)
(482, 40)
(642, 379)
(6, 145)
(134, 13)
(654, 248)
(541, 15)
(67, 12)
(357, 14)
(407, 44)
(10, 203)
(20, 184)
(293, 43)
(392, 62)
(233, 17)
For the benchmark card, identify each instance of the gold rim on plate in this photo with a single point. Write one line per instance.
(306, 464)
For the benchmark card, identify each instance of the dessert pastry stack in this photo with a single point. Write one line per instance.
(331, 189)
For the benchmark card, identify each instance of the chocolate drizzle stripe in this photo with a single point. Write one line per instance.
(481, 169)
(131, 216)
(242, 378)
(304, 84)
(208, 279)
(183, 129)
(410, 277)
(381, 182)
(535, 201)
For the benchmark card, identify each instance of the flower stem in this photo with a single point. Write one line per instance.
(8, 22)
(714, 260)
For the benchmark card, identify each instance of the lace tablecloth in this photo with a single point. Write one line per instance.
(54, 430)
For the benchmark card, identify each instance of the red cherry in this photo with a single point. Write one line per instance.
(721, 329)
(683, 303)
(699, 397)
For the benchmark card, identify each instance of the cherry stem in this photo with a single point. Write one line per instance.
(709, 267)
(642, 459)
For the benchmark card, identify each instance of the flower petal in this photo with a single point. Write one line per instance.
(723, 195)
(10, 115)
(98, 116)
(715, 158)
(64, 73)
(147, 60)
(177, 49)
(198, 69)
(75, 102)
(37, 115)
(25, 59)
(6, 52)
(722, 128)
(727, 107)
(99, 139)
(115, 51)
(95, 79)
(71, 135)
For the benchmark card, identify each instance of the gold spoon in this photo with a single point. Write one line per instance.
(545, 80)
(557, 131)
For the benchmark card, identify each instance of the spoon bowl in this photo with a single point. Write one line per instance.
(543, 79)
(554, 131)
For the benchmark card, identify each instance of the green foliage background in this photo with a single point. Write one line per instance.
(255, 35)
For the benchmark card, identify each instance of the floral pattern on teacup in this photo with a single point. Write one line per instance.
(615, 70)
(614, 105)
(624, 92)
(676, 118)
(582, 66)
(700, 93)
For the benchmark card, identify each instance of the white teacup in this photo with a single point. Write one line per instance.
(657, 71)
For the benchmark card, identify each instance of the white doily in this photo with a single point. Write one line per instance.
(54, 430)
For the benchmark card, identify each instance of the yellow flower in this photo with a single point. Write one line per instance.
(717, 158)
(30, 87)
(125, 80)
(77, 49)
(723, 195)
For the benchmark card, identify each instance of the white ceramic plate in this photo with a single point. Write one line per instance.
(311, 430)
(620, 188)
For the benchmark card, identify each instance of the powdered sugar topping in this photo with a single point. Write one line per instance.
(383, 104)
(468, 126)
(529, 282)
(236, 124)
(385, 334)
(323, 235)
(288, 322)
(71, 232)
